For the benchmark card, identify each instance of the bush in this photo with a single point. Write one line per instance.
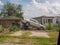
(14, 28)
(1, 28)
(57, 28)
(49, 26)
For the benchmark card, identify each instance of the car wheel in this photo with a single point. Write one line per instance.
(28, 23)
(41, 28)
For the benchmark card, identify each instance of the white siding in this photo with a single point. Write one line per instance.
(46, 20)
(54, 20)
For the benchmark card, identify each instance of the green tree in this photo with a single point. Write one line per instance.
(10, 9)
(19, 12)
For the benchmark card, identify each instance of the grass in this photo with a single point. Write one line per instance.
(48, 41)
(33, 40)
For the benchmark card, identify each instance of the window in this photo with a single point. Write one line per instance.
(50, 20)
(34, 20)
(57, 22)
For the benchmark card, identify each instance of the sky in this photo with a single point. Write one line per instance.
(35, 8)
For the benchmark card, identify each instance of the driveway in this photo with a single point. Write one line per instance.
(33, 33)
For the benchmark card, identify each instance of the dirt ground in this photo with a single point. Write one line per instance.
(33, 33)
(10, 44)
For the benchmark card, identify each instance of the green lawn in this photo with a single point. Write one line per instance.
(33, 40)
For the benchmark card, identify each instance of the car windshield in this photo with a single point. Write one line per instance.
(34, 20)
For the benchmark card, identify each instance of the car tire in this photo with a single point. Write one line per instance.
(28, 23)
(41, 28)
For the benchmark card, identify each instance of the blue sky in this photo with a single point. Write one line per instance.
(34, 8)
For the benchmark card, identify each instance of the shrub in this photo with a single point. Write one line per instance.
(57, 28)
(1, 28)
(14, 28)
(49, 26)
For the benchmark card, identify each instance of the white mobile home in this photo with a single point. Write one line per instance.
(47, 19)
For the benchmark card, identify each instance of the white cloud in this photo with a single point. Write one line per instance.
(1, 3)
(47, 6)
(36, 9)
